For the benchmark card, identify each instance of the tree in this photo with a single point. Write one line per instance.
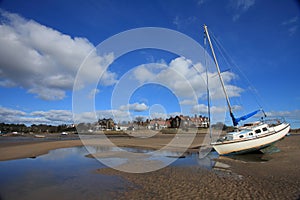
(139, 120)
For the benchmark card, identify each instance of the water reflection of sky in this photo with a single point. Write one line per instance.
(122, 156)
(68, 174)
(60, 174)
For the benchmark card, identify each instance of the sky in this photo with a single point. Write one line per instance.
(50, 51)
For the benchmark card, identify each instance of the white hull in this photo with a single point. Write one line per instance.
(257, 143)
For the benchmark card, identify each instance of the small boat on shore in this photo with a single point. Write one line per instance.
(249, 137)
(39, 136)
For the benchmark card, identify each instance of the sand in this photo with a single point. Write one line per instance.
(17, 150)
(276, 178)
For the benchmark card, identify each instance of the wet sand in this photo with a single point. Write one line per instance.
(277, 178)
(20, 149)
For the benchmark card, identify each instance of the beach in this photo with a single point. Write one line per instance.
(277, 178)
(31, 148)
(274, 176)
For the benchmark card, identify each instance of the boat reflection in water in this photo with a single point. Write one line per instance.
(213, 161)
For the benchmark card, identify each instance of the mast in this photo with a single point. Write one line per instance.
(207, 90)
(219, 74)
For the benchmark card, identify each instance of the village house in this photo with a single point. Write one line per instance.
(180, 121)
(157, 124)
(106, 124)
(188, 122)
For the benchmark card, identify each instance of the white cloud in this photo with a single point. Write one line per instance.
(158, 115)
(45, 61)
(55, 117)
(142, 74)
(199, 108)
(116, 115)
(93, 93)
(187, 80)
(174, 114)
(137, 107)
(6, 112)
(295, 114)
(292, 116)
(7, 83)
(188, 102)
(217, 109)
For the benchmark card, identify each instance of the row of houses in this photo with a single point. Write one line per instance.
(155, 124)
(180, 122)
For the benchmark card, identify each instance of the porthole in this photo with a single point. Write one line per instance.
(250, 133)
(265, 129)
(241, 136)
(257, 131)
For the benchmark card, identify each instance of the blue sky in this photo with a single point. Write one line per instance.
(42, 45)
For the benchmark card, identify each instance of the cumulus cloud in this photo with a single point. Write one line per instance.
(57, 117)
(188, 102)
(5, 112)
(158, 115)
(137, 107)
(142, 74)
(113, 114)
(187, 80)
(93, 92)
(8, 115)
(45, 61)
(294, 114)
(91, 117)
(201, 108)
(54, 116)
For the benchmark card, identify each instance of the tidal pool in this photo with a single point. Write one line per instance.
(61, 174)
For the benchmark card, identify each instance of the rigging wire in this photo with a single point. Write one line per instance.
(227, 59)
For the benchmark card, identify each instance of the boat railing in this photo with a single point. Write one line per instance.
(274, 121)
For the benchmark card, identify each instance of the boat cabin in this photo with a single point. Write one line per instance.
(247, 132)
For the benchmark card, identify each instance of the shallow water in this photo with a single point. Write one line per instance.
(68, 174)
(60, 174)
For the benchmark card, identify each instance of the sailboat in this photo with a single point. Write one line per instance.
(253, 136)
